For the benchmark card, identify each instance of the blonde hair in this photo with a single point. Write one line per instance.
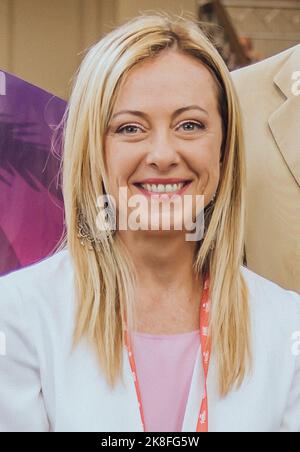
(104, 275)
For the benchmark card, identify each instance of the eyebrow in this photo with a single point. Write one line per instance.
(174, 114)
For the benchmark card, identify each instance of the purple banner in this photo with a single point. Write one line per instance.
(31, 206)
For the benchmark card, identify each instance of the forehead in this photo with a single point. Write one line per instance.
(169, 78)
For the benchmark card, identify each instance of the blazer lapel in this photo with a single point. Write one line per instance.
(285, 121)
(195, 396)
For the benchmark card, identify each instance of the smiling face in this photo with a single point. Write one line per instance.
(172, 134)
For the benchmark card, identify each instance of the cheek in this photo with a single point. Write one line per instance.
(121, 164)
(115, 160)
(206, 155)
(112, 165)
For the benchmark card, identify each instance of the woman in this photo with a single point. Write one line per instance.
(138, 327)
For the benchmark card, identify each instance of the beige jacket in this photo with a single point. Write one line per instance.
(271, 120)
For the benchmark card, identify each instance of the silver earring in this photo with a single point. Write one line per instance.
(211, 202)
(84, 232)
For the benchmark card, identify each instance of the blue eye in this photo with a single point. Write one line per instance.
(129, 126)
(198, 124)
(122, 129)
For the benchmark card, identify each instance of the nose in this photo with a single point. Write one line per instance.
(162, 153)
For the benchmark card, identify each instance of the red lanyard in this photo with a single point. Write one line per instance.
(202, 420)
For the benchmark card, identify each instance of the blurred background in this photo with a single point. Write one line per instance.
(43, 41)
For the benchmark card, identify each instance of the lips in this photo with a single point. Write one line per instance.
(157, 181)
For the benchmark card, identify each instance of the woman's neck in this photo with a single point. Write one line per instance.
(168, 293)
(164, 260)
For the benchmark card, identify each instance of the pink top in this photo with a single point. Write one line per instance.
(165, 365)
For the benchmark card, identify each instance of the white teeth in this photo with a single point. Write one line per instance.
(160, 188)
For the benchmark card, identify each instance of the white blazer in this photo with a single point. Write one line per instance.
(46, 387)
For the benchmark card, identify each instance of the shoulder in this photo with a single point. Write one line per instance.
(39, 288)
(268, 300)
(42, 274)
(257, 76)
(50, 266)
(264, 65)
